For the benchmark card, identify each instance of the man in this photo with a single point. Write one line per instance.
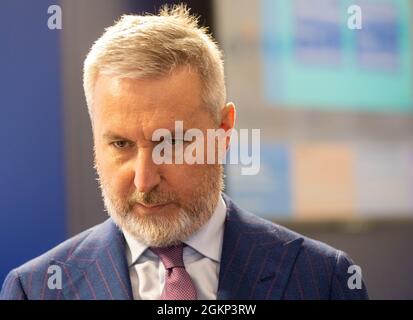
(172, 232)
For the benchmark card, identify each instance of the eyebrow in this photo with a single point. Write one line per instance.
(113, 136)
(109, 135)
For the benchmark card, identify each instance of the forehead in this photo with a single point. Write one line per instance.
(147, 104)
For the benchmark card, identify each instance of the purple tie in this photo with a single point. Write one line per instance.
(178, 283)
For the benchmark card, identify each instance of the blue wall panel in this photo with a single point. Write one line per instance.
(32, 208)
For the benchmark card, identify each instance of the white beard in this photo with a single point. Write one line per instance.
(158, 230)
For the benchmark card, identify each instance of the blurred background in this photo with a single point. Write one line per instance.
(334, 106)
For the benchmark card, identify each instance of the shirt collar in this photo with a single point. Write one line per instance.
(135, 248)
(207, 240)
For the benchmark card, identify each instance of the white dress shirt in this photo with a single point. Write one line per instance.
(201, 256)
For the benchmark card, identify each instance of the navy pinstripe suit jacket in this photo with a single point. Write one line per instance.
(260, 260)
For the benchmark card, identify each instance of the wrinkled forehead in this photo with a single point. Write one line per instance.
(140, 106)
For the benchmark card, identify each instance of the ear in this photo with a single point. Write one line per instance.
(228, 115)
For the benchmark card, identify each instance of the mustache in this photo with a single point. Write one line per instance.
(152, 197)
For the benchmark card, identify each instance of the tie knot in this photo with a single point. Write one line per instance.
(171, 257)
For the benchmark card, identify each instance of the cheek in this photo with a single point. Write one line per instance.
(117, 178)
(122, 181)
(183, 179)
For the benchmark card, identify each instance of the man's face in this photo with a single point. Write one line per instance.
(162, 204)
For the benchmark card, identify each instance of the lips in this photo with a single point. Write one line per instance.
(152, 205)
(151, 208)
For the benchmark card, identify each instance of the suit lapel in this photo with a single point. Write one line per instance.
(97, 269)
(254, 265)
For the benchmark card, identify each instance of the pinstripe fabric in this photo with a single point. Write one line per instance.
(260, 260)
(93, 267)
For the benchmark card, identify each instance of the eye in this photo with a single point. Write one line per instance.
(121, 144)
(175, 141)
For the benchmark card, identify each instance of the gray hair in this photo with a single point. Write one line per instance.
(145, 46)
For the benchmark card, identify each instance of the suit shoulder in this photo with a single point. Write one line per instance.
(315, 249)
(29, 280)
(311, 247)
(61, 252)
(323, 271)
(267, 231)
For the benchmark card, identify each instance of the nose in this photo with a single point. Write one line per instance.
(147, 174)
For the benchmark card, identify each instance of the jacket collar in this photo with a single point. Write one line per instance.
(97, 268)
